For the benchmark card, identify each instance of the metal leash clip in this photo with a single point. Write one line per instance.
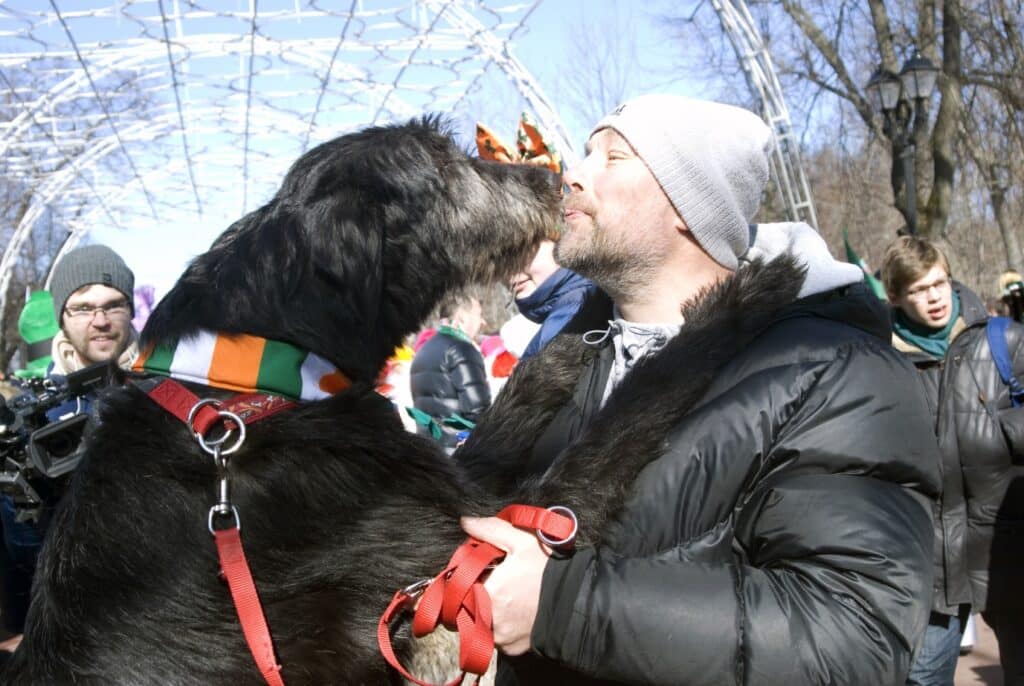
(414, 590)
(216, 448)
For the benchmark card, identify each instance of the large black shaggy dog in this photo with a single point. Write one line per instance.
(339, 505)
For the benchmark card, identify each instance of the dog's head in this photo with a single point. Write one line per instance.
(366, 234)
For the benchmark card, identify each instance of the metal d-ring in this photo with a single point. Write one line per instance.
(195, 409)
(216, 510)
(212, 446)
(572, 534)
(224, 414)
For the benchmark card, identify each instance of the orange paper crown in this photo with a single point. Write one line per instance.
(531, 146)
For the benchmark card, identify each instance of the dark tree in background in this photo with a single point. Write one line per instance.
(968, 155)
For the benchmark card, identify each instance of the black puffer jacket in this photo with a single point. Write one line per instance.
(776, 531)
(448, 377)
(978, 433)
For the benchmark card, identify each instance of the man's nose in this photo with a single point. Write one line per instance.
(571, 180)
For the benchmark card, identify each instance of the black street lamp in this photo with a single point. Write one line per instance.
(901, 100)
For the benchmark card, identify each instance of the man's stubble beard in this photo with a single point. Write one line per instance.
(609, 262)
(81, 344)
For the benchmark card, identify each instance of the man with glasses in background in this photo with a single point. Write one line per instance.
(92, 296)
(941, 326)
(92, 291)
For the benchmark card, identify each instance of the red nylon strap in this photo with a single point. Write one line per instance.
(178, 400)
(251, 407)
(247, 603)
(456, 597)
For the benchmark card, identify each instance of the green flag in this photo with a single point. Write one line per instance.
(853, 258)
(37, 326)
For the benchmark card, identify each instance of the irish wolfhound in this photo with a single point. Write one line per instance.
(339, 506)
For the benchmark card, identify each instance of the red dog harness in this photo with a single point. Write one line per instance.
(201, 416)
(456, 597)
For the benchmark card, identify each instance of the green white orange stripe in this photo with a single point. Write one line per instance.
(244, 363)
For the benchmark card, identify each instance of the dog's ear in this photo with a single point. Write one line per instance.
(369, 203)
(246, 277)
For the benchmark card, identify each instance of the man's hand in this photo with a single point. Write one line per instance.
(514, 585)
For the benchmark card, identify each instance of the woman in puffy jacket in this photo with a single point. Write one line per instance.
(448, 376)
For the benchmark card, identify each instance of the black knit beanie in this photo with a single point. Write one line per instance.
(92, 264)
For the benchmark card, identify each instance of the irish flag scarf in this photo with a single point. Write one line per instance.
(247, 364)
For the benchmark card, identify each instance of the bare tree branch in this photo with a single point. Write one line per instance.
(883, 35)
(831, 55)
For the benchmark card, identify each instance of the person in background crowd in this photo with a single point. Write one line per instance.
(92, 292)
(940, 326)
(91, 289)
(448, 378)
(777, 529)
(1011, 291)
(393, 384)
(548, 295)
(499, 362)
(995, 307)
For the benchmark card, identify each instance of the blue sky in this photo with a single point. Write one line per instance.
(563, 47)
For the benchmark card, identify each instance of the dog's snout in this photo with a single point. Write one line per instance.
(552, 181)
(556, 181)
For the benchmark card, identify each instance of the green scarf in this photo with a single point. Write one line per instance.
(454, 333)
(935, 342)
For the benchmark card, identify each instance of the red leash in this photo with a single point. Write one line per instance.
(456, 597)
(247, 603)
(201, 416)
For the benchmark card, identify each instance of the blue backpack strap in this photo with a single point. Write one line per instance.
(995, 330)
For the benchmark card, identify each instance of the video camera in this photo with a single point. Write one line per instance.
(36, 453)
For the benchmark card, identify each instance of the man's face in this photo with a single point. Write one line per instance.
(928, 300)
(542, 266)
(97, 321)
(619, 224)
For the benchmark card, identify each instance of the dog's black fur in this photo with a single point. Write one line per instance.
(339, 505)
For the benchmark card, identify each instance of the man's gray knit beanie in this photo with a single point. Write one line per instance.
(710, 159)
(88, 265)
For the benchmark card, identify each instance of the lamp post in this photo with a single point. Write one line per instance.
(901, 99)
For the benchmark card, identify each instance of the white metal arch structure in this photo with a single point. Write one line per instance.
(760, 72)
(157, 112)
